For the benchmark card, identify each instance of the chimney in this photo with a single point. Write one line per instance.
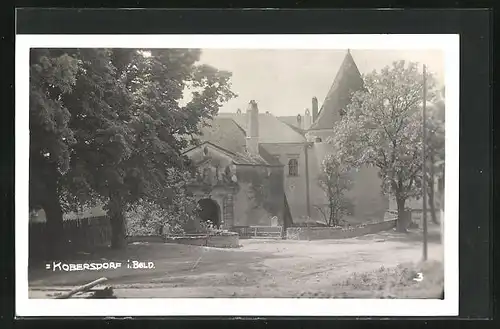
(299, 121)
(253, 128)
(307, 119)
(314, 109)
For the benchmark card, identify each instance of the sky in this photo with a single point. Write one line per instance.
(284, 82)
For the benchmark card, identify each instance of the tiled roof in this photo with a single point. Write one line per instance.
(292, 123)
(242, 158)
(297, 129)
(224, 134)
(271, 129)
(347, 81)
(289, 120)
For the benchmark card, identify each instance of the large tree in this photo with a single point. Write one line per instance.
(77, 97)
(101, 108)
(383, 128)
(53, 73)
(141, 156)
(127, 125)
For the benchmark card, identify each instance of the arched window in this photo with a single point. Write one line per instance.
(293, 167)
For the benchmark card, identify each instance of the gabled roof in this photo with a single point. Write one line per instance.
(347, 81)
(271, 129)
(225, 133)
(297, 129)
(289, 120)
(238, 158)
(227, 136)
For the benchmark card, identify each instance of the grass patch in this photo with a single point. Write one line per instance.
(396, 282)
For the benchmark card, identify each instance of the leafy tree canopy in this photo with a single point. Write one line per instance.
(111, 124)
(383, 128)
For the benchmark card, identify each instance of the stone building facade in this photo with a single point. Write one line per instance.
(238, 183)
(289, 150)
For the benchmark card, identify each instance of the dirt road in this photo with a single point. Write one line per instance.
(260, 268)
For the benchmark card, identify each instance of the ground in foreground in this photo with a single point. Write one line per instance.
(375, 266)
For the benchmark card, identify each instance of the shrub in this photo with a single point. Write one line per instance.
(147, 218)
(207, 227)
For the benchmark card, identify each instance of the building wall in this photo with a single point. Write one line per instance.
(252, 207)
(257, 194)
(369, 204)
(294, 186)
(219, 192)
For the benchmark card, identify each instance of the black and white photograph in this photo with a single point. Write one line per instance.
(287, 168)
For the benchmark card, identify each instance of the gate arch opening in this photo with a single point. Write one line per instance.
(210, 210)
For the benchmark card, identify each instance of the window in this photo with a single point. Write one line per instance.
(293, 167)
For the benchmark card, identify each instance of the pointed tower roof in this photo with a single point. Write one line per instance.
(347, 81)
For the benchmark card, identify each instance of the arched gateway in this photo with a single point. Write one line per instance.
(210, 210)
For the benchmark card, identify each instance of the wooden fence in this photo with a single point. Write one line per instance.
(80, 235)
(247, 232)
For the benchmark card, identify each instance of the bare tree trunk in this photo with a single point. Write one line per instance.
(85, 287)
(331, 221)
(55, 232)
(44, 193)
(117, 218)
(403, 220)
(54, 214)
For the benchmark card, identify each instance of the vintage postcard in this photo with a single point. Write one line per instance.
(238, 175)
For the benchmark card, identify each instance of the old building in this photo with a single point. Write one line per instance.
(287, 150)
(237, 183)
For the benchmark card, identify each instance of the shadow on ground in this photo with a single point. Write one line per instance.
(173, 264)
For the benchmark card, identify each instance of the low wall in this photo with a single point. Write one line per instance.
(228, 240)
(191, 240)
(224, 241)
(246, 232)
(145, 238)
(323, 233)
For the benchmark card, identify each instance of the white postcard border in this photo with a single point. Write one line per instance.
(240, 306)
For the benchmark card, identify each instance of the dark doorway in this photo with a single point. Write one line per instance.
(210, 211)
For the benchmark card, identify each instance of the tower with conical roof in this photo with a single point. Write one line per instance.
(347, 81)
(365, 196)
